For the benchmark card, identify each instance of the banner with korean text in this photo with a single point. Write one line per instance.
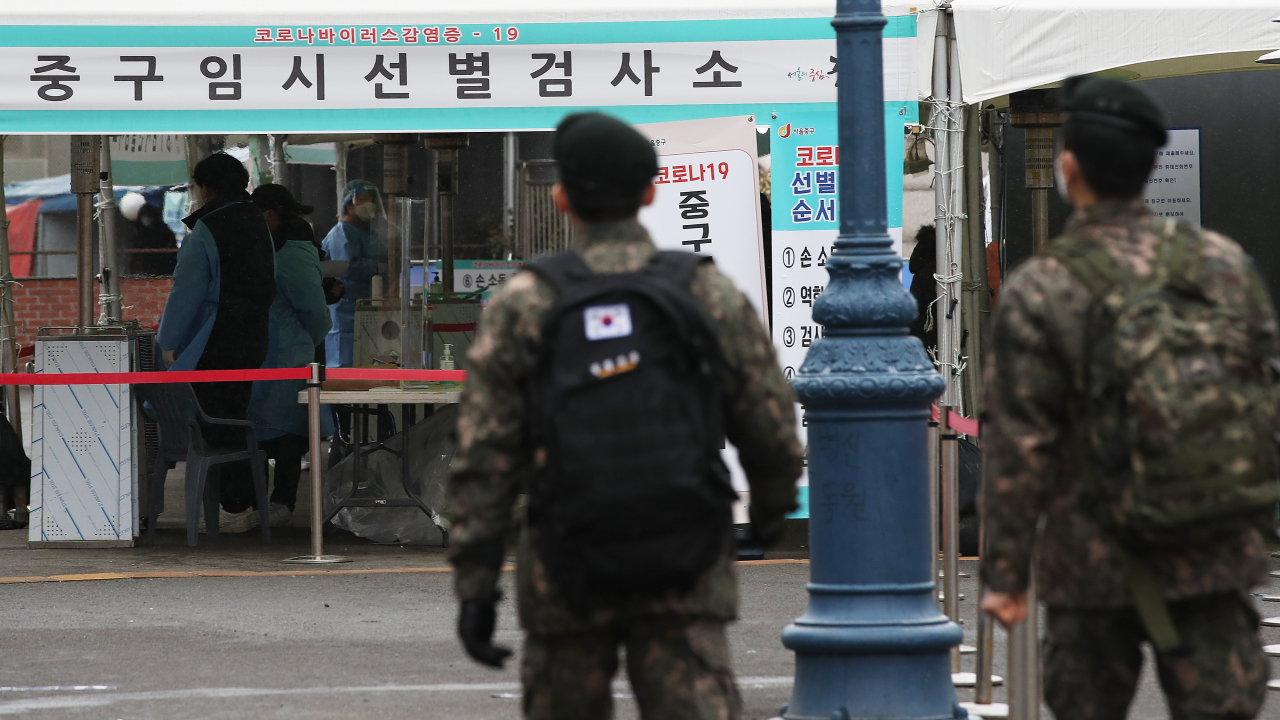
(419, 77)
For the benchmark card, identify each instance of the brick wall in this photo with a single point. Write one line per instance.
(41, 302)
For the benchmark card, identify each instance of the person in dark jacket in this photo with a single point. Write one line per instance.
(924, 288)
(218, 314)
(299, 322)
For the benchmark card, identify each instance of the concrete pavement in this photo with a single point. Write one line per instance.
(353, 645)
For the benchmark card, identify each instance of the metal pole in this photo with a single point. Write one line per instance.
(340, 172)
(85, 183)
(277, 159)
(445, 204)
(984, 681)
(940, 122)
(949, 450)
(935, 490)
(109, 270)
(194, 201)
(1039, 217)
(949, 274)
(509, 159)
(317, 556)
(433, 212)
(1024, 660)
(84, 260)
(871, 643)
(8, 324)
(975, 295)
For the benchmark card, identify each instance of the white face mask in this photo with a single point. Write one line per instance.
(1060, 180)
(365, 211)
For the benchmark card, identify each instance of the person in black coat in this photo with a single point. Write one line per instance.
(924, 288)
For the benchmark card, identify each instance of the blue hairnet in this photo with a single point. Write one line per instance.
(357, 187)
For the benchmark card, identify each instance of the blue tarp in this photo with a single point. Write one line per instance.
(56, 193)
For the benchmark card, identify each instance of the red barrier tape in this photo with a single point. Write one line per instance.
(962, 424)
(177, 376)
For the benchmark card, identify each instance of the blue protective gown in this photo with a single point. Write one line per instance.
(299, 321)
(363, 249)
(193, 302)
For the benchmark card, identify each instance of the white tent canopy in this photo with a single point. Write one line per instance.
(1005, 46)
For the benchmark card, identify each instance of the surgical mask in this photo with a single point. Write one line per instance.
(1060, 180)
(365, 211)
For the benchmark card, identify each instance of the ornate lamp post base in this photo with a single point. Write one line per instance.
(872, 643)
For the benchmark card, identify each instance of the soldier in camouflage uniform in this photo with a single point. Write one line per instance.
(1035, 472)
(677, 654)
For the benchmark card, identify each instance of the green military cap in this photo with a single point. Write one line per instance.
(1107, 101)
(601, 154)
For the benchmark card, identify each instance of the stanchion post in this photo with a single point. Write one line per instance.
(985, 652)
(935, 458)
(949, 452)
(317, 556)
(1024, 661)
(984, 662)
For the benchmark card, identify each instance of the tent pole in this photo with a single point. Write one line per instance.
(340, 172)
(975, 297)
(8, 327)
(277, 159)
(947, 187)
(109, 290)
(194, 201)
(509, 159)
(948, 184)
(86, 161)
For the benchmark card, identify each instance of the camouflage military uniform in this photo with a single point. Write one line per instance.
(1033, 472)
(677, 657)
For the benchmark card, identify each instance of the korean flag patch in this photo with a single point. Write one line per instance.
(605, 322)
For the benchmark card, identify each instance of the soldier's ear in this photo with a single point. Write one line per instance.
(649, 191)
(561, 199)
(1069, 168)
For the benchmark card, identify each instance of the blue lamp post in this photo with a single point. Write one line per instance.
(872, 643)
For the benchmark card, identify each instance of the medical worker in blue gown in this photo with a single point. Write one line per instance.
(360, 241)
(218, 313)
(299, 322)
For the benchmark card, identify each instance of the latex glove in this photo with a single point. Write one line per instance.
(476, 621)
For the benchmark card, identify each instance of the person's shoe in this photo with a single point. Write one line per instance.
(240, 522)
(280, 515)
(229, 522)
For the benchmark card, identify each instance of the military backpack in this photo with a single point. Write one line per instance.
(1180, 411)
(629, 496)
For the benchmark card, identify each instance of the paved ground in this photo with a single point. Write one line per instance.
(227, 631)
(361, 645)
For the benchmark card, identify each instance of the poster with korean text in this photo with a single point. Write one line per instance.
(805, 182)
(708, 202)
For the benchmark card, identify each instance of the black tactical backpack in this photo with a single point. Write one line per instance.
(630, 497)
(1181, 411)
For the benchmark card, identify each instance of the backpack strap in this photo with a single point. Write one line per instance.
(563, 270)
(1148, 599)
(1185, 252)
(1091, 264)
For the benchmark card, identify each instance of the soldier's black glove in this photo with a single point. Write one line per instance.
(475, 626)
